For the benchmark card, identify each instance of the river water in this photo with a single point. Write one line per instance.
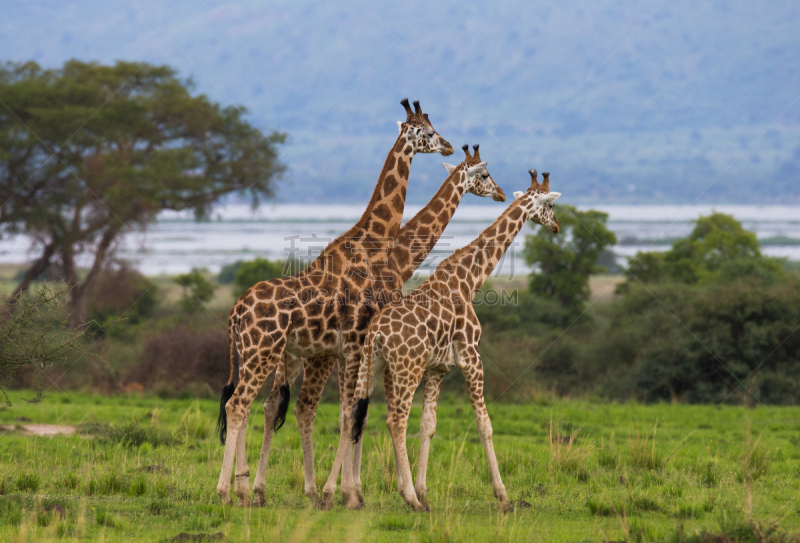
(176, 243)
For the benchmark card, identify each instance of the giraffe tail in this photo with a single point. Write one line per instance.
(228, 389)
(283, 405)
(363, 388)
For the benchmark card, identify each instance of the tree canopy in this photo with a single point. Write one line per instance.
(718, 249)
(566, 260)
(89, 152)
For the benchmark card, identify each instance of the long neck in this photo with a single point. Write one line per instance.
(381, 220)
(384, 214)
(473, 264)
(419, 235)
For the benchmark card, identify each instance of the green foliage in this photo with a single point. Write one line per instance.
(28, 482)
(132, 141)
(149, 492)
(718, 250)
(197, 290)
(228, 272)
(254, 271)
(120, 293)
(566, 260)
(33, 335)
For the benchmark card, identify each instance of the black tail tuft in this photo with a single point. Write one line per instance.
(283, 408)
(222, 421)
(359, 416)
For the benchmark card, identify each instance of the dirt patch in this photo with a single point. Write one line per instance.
(40, 429)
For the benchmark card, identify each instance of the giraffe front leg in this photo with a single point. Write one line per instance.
(427, 427)
(472, 369)
(294, 365)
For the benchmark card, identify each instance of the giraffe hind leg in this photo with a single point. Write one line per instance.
(271, 406)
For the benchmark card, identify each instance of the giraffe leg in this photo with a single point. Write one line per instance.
(391, 407)
(397, 421)
(352, 365)
(315, 375)
(242, 477)
(330, 485)
(252, 376)
(472, 369)
(293, 365)
(427, 427)
(378, 367)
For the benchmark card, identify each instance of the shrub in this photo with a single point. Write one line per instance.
(120, 292)
(33, 337)
(255, 271)
(197, 290)
(228, 272)
(180, 357)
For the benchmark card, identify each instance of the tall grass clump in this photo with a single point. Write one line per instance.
(642, 451)
(28, 481)
(565, 456)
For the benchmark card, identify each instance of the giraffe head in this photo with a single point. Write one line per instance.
(479, 182)
(419, 132)
(542, 200)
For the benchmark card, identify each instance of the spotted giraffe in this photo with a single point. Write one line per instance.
(433, 329)
(414, 243)
(318, 311)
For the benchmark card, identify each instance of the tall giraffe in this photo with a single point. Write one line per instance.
(431, 330)
(414, 242)
(314, 312)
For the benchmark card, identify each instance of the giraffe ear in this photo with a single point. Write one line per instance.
(400, 126)
(551, 197)
(519, 194)
(449, 167)
(477, 168)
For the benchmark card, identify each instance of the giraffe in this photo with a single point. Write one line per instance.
(414, 242)
(312, 313)
(431, 330)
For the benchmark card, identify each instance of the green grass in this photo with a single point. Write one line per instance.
(145, 469)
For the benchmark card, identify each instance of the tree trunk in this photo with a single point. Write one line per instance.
(79, 291)
(38, 267)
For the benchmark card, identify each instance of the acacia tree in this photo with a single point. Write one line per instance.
(89, 152)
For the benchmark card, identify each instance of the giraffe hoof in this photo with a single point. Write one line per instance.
(326, 502)
(508, 507)
(259, 500)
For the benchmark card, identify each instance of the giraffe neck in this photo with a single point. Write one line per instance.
(419, 235)
(384, 214)
(470, 266)
(380, 222)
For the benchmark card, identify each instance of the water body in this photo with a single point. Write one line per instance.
(176, 243)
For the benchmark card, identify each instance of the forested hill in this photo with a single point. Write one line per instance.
(645, 101)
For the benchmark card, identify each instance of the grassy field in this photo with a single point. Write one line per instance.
(145, 469)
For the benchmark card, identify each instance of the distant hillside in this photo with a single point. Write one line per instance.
(701, 103)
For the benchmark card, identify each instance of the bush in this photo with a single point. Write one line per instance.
(33, 337)
(197, 290)
(255, 271)
(179, 358)
(228, 272)
(120, 292)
